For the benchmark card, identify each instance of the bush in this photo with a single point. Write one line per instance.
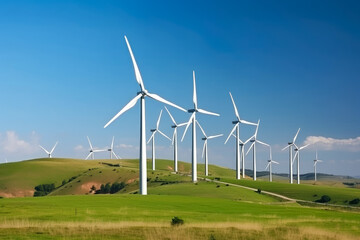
(177, 221)
(107, 188)
(43, 189)
(324, 199)
(355, 201)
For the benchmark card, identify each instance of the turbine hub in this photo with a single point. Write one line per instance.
(152, 130)
(235, 122)
(204, 138)
(173, 126)
(192, 110)
(252, 140)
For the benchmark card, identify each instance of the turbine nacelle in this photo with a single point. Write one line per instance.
(235, 122)
(192, 110)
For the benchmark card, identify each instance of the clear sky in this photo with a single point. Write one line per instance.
(65, 71)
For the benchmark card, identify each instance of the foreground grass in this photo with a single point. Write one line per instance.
(148, 217)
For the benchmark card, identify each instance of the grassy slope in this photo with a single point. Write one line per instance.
(303, 192)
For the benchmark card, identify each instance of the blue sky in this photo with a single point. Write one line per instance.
(65, 71)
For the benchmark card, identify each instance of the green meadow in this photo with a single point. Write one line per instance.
(210, 210)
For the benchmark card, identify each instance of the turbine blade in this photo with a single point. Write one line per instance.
(136, 68)
(275, 162)
(172, 119)
(248, 123)
(293, 160)
(88, 156)
(194, 91)
(112, 143)
(248, 140)
(124, 109)
(215, 136)
(301, 148)
(44, 149)
(202, 130)
(158, 121)
(265, 144)
(207, 112)
(235, 108)
(89, 142)
(257, 127)
(187, 125)
(160, 99)
(267, 166)
(115, 154)
(285, 147)
(296, 135)
(182, 124)
(53, 148)
(151, 137)
(252, 145)
(232, 130)
(164, 135)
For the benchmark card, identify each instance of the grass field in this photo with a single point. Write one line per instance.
(210, 210)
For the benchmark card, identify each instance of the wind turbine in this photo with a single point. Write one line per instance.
(92, 150)
(174, 139)
(237, 128)
(47, 152)
(141, 95)
(290, 146)
(205, 149)
(253, 146)
(315, 162)
(297, 154)
(193, 121)
(154, 131)
(270, 162)
(111, 149)
(242, 153)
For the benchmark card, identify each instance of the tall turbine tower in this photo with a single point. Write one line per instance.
(297, 154)
(193, 121)
(270, 162)
(154, 131)
(174, 139)
(49, 152)
(237, 136)
(316, 160)
(141, 95)
(92, 150)
(254, 140)
(205, 149)
(111, 150)
(290, 146)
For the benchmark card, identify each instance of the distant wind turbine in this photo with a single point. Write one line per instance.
(174, 139)
(254, 140)
(316, 160)
(92, 150)
(290, 146)
(297, 154)
(205, 149)
(270, 162)
(111, 150)
(49, 152)
(238, 142)
(154, 131)
(193, 121)
(242, 153)
(141, 95)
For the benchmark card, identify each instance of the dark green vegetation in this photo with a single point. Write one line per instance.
(204, 210)
(43, 189)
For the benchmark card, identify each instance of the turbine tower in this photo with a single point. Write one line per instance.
(141, 95)
(193, 121)
(174, 139)
(237, 143)
(297, 154)
(254, 140)
(316, 160)
(47, 152)
(111, 150)
(92, 150)
(154, 131)
(290, 146)
(205, 149)
(242, 153)
(270, 162)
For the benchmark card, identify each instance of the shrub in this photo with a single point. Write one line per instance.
(63, 182)
(43, 189)
(355, 201)
(324, 199)
(175, 221)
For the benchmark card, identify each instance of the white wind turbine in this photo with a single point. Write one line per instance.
(205, 148)
(154, 131)
(92, 150)
(316, 160)
(239, 157)
(254, 140)
(174, 139)
(290, 146)
(193, 121)
(242, 153)
(47, 152)
(141, 95)
(111, 150)
(297, 154)
(270, 162)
